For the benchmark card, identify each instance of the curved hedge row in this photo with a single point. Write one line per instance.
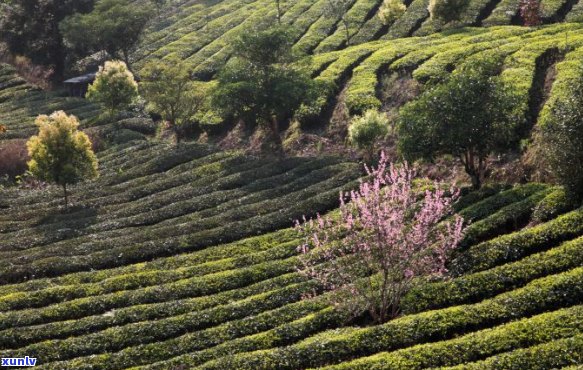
(542, 294)
(551, 355)
(527, 332)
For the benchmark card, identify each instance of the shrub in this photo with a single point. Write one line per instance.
(391, 10)
(13, 158)
(366, 130)
(561, 126)
(553, 205)
(447, 11)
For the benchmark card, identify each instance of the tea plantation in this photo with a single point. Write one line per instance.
(159, 265)
(183, 256)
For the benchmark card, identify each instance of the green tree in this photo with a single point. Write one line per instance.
(60, 153)
(561, 133)
(469, 116)
(114, 26)
(168, 87)
(31, 28)
(261, 85)
(391, 10)
(364, 131)
(114, 87)
(446, 11)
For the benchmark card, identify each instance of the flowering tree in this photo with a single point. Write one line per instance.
(530, 12)
(383, 239)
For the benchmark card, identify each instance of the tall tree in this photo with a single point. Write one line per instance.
(114, 26)
(31, 28)
(168, 87)
(261, 85)
(60, 153)
(469, 117)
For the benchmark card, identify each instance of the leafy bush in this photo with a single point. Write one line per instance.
(551, 355)
(530, 331)
(391, 10)
(114, 87)
(13, 158)
(554, 204)
(447, 11)
(364, 131)
(333, 347)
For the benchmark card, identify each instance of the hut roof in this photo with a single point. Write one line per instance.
(87, 78)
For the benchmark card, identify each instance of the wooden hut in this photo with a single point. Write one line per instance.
(78, 85)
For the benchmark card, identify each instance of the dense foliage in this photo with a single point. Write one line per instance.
(60, 153)
(31, 28)
(383, 240)
(114, 87)
(366, 130)
(562, 135)
(260, 85)
(114, 26)
(391, 10)
(468, 117)
(169, 88)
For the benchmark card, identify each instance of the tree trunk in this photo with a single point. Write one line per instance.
(126, 59)
(476, 181)
(278, 11)
(276, 137)
(66, 197)
(346, 30)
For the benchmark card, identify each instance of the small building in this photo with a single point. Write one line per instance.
(78, 85)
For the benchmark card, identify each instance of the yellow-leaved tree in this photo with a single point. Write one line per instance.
(114, 87)
(60, 153)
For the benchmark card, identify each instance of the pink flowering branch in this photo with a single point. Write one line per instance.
(384, 237)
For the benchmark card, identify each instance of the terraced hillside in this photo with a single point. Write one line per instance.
(526, 55)
(201, 32)
(157, 267)
(20, 103)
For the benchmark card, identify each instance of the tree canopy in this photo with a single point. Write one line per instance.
(60, 153)
(170, 90)
(260, 84)
(31, 28)
(114, 26)
(114, 87)
(469, 117)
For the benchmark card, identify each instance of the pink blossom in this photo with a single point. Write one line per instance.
(385, 233)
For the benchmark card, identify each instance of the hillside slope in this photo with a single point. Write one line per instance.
(157, 267)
